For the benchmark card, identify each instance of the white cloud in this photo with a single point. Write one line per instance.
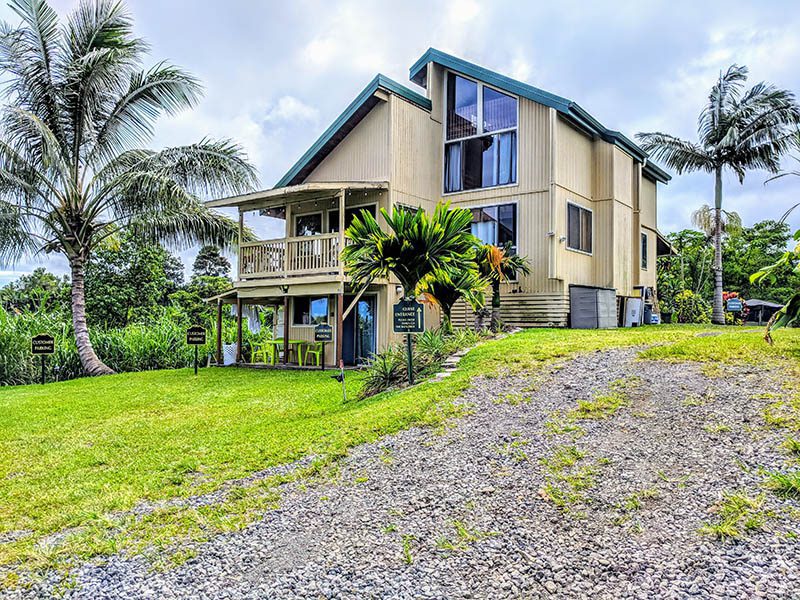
(290, 109)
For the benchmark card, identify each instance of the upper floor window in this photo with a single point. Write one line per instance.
(496, 225)
(481, 146)
(579, 228)
(644, 250)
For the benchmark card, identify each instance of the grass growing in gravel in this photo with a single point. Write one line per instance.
(75, 454)
(785, 484)
(738, 513)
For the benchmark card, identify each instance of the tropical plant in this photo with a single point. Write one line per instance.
(789, 315)
(39, 291)
(210, 263)
(738, 130)
(498, 265)
(444, 290)
(704, 218)
(78, 109)
(416, 245)
(691, 308)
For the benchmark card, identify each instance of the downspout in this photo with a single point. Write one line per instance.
(552, 243)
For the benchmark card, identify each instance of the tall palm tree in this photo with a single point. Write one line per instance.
(498, 264)
(737, 130)
(78, 109)
(443, 289)
(416, 245)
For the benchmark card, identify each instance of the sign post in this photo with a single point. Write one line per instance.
(409, 318)
(323, 333)
(43, 344)
(195, 336)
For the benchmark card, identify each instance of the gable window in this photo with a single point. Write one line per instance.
(496, 225)
(579, 228)
(481, 146)
(309, 310)
(644, 250)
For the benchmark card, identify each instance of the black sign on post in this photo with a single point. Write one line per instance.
(43, 344)
(195, 336)
(323, 333)
(408, 317)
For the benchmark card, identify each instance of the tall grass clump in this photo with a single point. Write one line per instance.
(160, 344)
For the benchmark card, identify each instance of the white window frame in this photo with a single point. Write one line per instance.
(644, 260)
(566, 241)
(480, 132)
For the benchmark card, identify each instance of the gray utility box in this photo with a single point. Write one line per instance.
(592, 307)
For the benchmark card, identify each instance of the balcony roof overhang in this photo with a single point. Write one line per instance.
(295, 193)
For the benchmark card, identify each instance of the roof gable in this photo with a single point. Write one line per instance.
(568, 108)
(345, 123)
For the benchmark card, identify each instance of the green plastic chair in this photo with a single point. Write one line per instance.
(266, 352)
(315, 350)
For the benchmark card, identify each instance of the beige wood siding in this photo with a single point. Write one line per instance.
(522, 310)
(575, 160)
(416, 157)
(363, 155)
(647, 203)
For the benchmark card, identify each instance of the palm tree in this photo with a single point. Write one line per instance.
(72, 170)
(737, 130)
(498, 265)
(416, 245)
(445, 290)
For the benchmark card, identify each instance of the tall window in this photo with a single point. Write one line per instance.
(309, 310)
(495, 225)
(481, 127)
(644, 250)
(579, 228)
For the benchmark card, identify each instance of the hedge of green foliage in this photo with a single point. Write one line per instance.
(159, 344)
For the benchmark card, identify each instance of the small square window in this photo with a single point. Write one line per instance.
(309, 310)
(579, 228)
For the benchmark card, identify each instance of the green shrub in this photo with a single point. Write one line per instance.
(159, 344)
(388, 369)
(691, 308)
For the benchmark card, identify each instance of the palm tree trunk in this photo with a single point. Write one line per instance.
(447, 321)
(92, 365)
(718, 314)
(494, 323)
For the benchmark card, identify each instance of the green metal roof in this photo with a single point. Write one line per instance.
(573, 111)
(345, 122)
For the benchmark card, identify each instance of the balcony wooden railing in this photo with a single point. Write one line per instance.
(315, 254)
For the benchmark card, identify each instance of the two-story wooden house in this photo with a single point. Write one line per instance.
(537, 170)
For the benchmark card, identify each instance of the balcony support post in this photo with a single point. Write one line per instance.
(339, 327)
(341, 232)
(238, 330)
(285, 329)
(219, 332)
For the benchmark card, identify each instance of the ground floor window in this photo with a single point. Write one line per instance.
(496, 225)
(309, 310)
(579, 228)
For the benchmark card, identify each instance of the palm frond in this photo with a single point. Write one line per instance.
(681, 155)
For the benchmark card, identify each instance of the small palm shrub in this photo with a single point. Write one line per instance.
(387, 370)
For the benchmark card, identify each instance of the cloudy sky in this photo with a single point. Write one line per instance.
(277, 73)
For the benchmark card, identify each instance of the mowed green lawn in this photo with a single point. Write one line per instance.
(75, 452)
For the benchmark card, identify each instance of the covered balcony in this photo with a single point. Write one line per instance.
(309, 220)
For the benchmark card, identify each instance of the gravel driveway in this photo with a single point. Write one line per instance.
(465, 512)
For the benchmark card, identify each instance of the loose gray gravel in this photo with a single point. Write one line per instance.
(346, 538)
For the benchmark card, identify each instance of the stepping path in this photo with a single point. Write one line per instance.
(464, 512)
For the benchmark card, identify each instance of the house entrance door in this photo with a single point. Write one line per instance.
(359, 339)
